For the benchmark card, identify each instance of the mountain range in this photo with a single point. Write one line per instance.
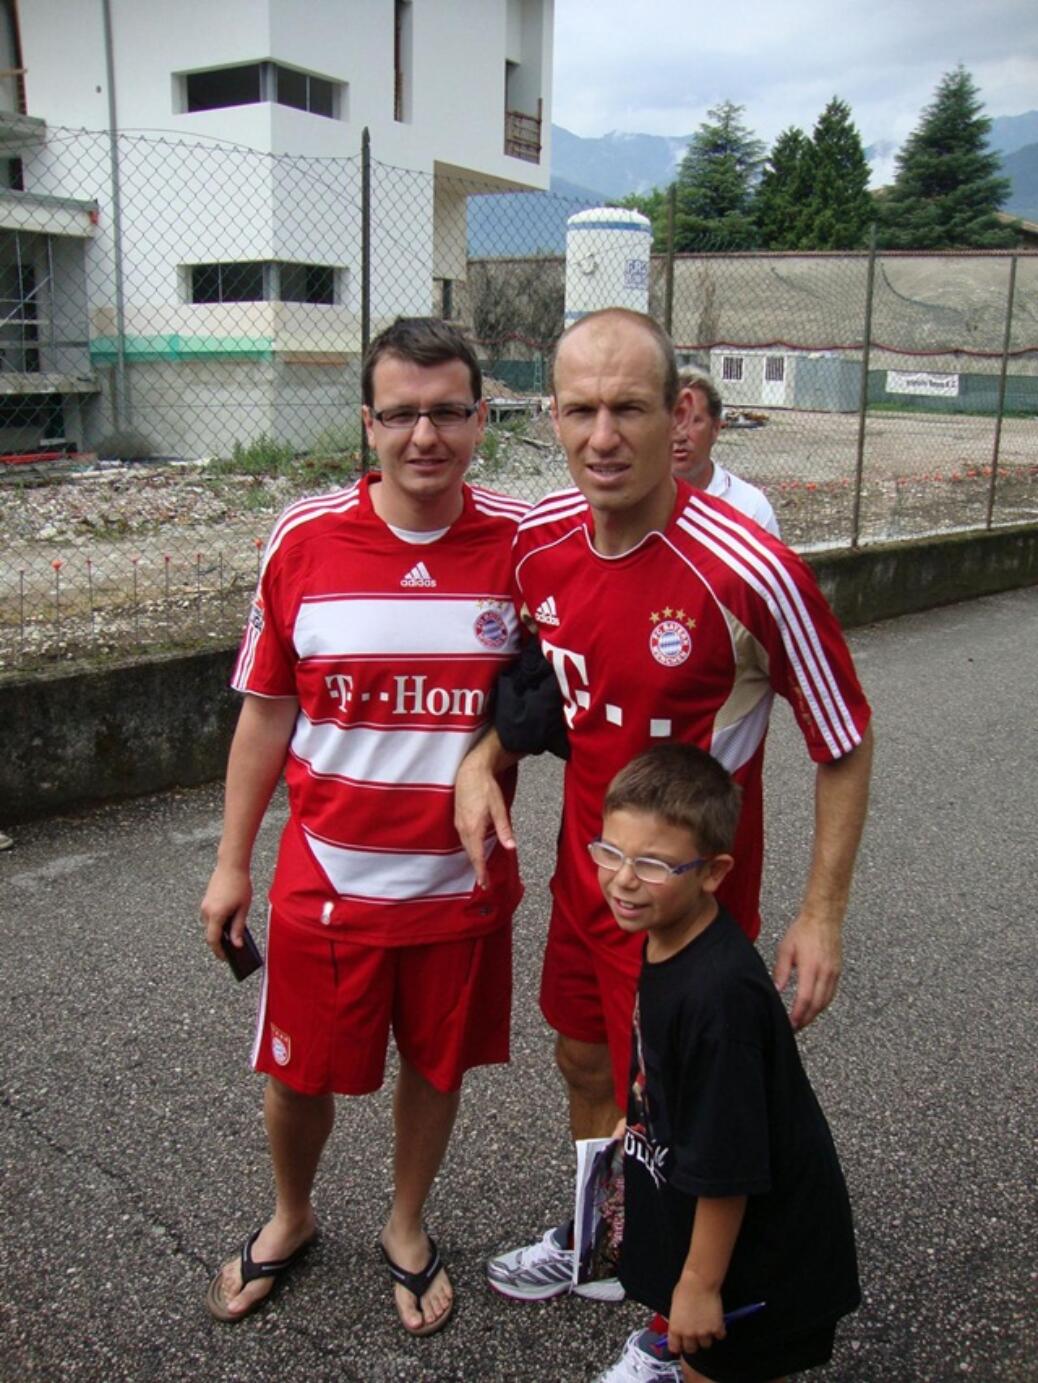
(588, 172)
(616, 164)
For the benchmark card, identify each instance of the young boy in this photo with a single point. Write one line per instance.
(734, 1197)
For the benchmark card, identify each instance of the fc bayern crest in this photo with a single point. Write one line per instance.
(670, 643)
(280, 1046)
(491, 630)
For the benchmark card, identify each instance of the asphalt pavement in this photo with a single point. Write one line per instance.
(132, 1150)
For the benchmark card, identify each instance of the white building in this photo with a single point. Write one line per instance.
(198, 277)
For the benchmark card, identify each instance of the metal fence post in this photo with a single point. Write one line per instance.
(668, 301)
(1007, 337)
(365, 269)
(863, 398)
(122, 408)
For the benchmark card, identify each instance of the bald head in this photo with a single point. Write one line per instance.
(621, 324)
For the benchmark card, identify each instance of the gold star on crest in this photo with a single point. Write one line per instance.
(655, 616)
(667, 612)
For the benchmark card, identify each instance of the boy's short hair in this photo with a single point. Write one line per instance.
(422, 341)
(685, 786)
(692, 379)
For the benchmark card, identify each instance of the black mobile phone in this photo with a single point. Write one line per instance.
(242, 959)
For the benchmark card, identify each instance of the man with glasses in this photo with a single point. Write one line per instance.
(666, 615)
(381, 621)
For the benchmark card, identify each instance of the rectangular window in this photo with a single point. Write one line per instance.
(270, 281)
(775, 369)
(321, 96)
(229, 86)
(307, 283)
(262, 81)
(304, 91)
(731, 368)
(227, 283)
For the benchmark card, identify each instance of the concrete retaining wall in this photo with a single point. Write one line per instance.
(72, 738)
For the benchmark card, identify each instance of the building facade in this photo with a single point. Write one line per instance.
(181, 234)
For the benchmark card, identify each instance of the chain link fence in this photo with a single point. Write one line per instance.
(181, 328)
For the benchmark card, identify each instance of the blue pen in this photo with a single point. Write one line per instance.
(660, 1350)
(742, 1311)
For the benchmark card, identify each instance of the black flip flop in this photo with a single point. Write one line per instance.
(252, 1272)
(418, 1284)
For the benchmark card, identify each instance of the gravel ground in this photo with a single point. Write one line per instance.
(100, 561)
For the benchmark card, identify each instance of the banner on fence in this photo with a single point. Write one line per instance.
(922, 382)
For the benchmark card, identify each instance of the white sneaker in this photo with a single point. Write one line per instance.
(645, 1359)
(543, 1270)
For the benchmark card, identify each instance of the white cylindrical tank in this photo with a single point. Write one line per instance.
(607, 261)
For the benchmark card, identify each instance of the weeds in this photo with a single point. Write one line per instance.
(329, 461)
(495, 444)
(264, 456)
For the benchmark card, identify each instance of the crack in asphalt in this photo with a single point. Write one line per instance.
(121, 1183)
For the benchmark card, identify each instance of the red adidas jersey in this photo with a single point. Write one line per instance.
(392, 648)
(686, 637)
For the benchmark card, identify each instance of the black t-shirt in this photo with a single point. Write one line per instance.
(719, 1105)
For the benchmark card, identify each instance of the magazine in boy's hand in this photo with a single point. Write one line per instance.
(598, 1215)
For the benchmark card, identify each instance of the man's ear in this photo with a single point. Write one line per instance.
(681, 411)
(715, 871)
(553, 409)
(368, 421)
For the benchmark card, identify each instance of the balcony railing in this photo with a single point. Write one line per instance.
(523, 135)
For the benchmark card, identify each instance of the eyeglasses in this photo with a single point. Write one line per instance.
(443, 416)
(650, 871)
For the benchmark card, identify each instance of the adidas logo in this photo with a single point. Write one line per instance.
(418, 576)
(546, 612)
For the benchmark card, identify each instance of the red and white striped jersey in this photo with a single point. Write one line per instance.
(686, 637)
(392, 649)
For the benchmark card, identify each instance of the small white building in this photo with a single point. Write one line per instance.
(758, 377)
(207, 259)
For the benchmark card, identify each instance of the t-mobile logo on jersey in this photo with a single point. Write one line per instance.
(570, 669)
(409, 695)
(571, 674)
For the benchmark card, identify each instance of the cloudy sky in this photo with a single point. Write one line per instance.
(658, 66)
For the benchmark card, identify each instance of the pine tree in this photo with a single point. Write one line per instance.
(715, 184)
(839, 210)
(653, 205)
(779, 200)
(947, 188)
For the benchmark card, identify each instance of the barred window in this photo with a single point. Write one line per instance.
(731, 367)
(264, 281)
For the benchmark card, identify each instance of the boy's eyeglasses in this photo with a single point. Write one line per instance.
(443, 416)
(650, 871)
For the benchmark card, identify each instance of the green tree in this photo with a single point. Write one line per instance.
(947, 188)
(838, 210)
(653, 205)
(716, 182)
(779, 200)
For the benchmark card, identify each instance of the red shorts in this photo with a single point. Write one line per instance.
(588, 991)
(327, 1006)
